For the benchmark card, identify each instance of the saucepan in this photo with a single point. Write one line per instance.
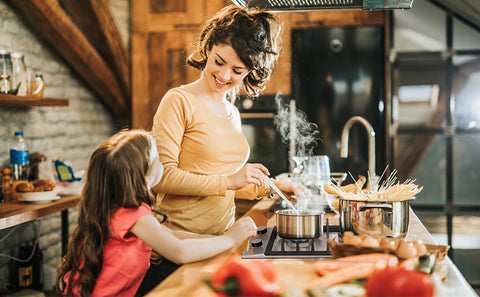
(299, 224)
(382, 218)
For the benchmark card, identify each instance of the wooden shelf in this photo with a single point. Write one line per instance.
(19, 101)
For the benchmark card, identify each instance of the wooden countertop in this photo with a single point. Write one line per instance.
(15, 213)
(299, 273)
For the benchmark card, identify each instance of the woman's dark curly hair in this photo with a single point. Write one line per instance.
(254, 36)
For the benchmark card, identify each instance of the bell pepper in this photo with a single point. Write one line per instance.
(237, 277)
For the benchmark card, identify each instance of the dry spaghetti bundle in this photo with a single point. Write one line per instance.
(388, 190)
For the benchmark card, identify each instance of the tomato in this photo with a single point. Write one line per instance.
(400, 282)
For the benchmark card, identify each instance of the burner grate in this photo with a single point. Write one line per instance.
(280, 247)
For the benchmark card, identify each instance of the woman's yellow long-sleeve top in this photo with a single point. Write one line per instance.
(198, 150)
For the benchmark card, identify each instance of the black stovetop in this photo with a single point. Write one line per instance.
(270, 245)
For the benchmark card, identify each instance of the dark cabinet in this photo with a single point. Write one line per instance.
(337, 73)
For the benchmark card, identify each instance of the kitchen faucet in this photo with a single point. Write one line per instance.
(371, 145)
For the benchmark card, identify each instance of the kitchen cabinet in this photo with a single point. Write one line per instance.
(158, 15)
(325, 18)
(25, 101)
(188, 280)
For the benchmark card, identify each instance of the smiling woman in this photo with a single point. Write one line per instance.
(198, 129)
(202, 146)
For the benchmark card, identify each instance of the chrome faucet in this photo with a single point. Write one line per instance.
(371, 144)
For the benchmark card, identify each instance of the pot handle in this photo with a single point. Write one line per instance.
(380, 205)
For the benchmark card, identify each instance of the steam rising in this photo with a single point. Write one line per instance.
(304, 135)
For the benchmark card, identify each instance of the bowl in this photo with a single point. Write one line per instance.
(39, 197)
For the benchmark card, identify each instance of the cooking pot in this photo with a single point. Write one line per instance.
(382, 218)
(300, 224)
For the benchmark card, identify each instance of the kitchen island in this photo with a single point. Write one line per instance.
(188, 280)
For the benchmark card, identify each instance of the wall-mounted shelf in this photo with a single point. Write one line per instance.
(19, 101)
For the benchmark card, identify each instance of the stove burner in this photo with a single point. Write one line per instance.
(270, 245)
(296, 241)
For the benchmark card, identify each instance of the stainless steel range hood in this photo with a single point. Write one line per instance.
(296, 5)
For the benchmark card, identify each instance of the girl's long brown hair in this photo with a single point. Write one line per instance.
(115, 178)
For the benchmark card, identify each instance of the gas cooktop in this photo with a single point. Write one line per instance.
(267, 244)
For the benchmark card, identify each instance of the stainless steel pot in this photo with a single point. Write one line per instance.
(383, 218)
(306, 224)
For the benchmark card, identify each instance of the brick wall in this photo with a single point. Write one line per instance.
(68, 133)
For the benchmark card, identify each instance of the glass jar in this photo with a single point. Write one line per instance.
(19, 84)
(5, 72)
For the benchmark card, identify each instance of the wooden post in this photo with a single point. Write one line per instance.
(6, 187)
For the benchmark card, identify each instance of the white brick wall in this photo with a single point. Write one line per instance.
(68, 133)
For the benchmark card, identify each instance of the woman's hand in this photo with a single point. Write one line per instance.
(251, 173)
(241, 230)
(293, 191)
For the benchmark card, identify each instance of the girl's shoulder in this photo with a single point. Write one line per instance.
(124, 218)
(132, 213)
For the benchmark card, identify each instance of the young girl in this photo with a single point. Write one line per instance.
(110, 248)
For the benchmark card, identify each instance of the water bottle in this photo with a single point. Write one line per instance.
(19, 157)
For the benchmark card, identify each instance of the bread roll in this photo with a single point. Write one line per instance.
(25, 187)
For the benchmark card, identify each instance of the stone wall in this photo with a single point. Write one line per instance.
(66, 133)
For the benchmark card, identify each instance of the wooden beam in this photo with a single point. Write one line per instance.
(55, 26)
(95, 20)
(327, 18)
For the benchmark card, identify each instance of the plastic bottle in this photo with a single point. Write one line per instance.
(19, 84)
(19, 157)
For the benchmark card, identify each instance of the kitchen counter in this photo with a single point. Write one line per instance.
(299, 273)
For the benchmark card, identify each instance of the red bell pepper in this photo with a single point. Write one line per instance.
(237, 277)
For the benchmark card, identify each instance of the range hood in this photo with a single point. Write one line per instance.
(296, 5)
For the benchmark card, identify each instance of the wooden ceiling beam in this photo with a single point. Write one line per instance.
(95, 20)
(51, 21)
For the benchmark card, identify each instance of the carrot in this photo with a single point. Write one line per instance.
(366, 257)
(351, 267)
(372, 257)
(354, 271)
(327, 266)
